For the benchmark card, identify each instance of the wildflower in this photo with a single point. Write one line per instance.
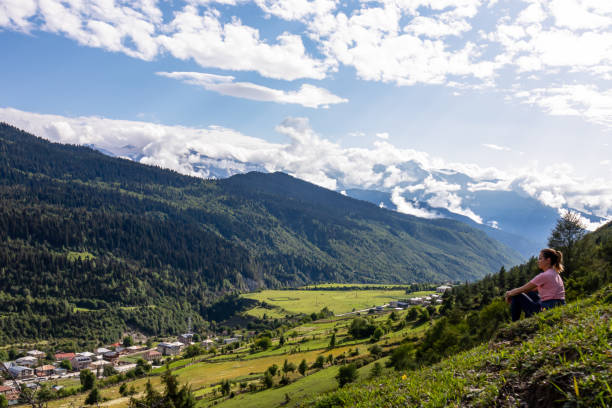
(404, 377)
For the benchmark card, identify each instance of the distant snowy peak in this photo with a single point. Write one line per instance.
(196, 164)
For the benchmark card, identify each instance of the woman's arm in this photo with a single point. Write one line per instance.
(528, 287)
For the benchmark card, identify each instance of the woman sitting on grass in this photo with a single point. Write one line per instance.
(550, 290)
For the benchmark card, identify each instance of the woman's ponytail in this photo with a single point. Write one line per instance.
(556, 258)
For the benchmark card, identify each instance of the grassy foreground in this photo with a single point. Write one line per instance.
(561, 357)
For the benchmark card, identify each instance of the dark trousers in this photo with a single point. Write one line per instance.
(525, 302)
(530, 303)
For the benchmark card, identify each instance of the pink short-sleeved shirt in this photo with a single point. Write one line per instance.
(550, 285)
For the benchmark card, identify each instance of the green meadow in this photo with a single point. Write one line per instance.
(338, 301)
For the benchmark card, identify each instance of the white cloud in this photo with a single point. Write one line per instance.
(573, 100)
(499, 185)
(356, 134)
(308, 95)
(383, 135)
(234, 46)
(436, 28)
(567, 43)
(406, 207)
(577, 14)
(372, 41)
(296, 9)
(15, 14)
(496, 147)
(138, 30)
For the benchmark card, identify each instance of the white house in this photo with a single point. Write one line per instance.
(36, 354)
(443, 288)
(80, 362)
(20, 372)
(208, 343)
(170, 349)
(27, 361)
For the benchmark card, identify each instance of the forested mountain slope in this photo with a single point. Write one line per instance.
(137, 245)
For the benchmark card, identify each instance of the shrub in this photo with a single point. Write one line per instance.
(361, 328)
(346, 374)
(93, 397)
(376, 370)
(88, 379)
(401, 358)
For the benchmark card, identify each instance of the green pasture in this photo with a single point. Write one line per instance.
(203, 374)
(309, 301)
(259, 312)
(351, 285)
(305, 387)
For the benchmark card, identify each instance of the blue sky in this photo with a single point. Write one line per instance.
(508, 90)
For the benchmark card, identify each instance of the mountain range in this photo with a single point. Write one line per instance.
(85, 235)
(504, 212)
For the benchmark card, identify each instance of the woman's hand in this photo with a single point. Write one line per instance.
(528, 287)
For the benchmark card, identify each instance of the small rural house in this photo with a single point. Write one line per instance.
(45, 370)
(27, 361)
(64, 356)
(80, 362)
(170, 349)
(151, 355)
(21, 372)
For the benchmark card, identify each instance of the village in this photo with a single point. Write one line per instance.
(37, 367)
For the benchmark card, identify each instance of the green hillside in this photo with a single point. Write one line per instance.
(90, 245)
(473, 356)
(557, 358)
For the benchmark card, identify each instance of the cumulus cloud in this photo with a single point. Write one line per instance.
(407, 207)
(463, 44)
(496, 147)
(138, 29)
(373, 41)
(308, 95)
(202, 36)
(442, 194)
(573, 100)
(404, 173)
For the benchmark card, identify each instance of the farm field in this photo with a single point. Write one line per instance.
(316, 383)
(244, 368)
(351, 285)
(338, 301)
(262, 312)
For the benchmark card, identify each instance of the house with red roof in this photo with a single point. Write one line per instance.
(64, 356)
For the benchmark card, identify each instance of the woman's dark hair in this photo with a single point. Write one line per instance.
(556, 258)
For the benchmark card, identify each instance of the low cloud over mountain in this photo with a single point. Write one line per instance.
(412, 181)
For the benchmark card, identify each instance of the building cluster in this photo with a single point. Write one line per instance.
(34, 366)
(433, 299)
